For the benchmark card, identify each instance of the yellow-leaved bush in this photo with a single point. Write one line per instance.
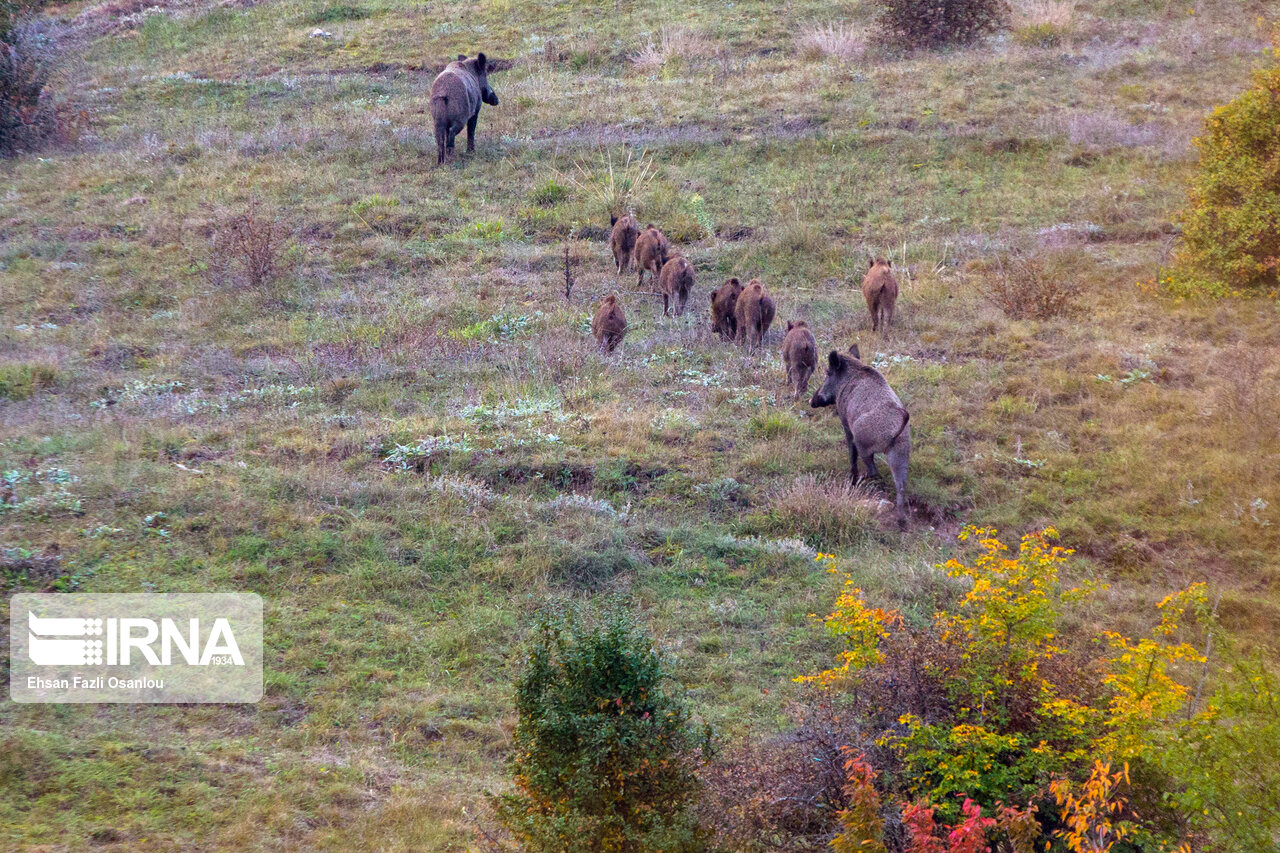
(988, 705)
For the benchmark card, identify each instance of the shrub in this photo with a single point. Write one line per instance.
(784, 793)
(935, 23)
(604, 755)
(253, 243)
(985, 704)
(29, 54)
(1027, 288)
(1231, 225)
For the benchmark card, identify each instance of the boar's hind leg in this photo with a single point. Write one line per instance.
(853, 456)
(898, 457)
(471, 132)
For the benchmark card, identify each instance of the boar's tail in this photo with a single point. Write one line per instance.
(906, 416)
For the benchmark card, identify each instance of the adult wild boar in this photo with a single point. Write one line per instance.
(609, 324)
(724, 299)
(456, 96)
(880, 289)
(622, 241)
(674, 283)
(799, 356)
(873, 418)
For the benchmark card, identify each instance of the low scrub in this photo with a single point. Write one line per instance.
(991, 723)
(1026, 287)
(29, 57)
(938, 23)
(249, 247)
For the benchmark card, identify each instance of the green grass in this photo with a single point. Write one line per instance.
(424, 303)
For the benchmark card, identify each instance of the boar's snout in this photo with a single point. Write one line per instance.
(819, 400)
(490, 97)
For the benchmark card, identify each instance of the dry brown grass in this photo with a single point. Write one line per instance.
(837, 40)
(674, 43)
(1034, 13)
(825, 512)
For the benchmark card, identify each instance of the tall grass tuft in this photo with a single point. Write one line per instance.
(825, 513)
(838, 41)
(612, 188)
(1043, 23)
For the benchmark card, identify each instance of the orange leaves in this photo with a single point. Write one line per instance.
(1092, 817)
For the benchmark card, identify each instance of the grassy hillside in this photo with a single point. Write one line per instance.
(407, 443)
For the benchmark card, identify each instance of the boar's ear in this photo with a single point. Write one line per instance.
(871, 262)
(833, 360)
(790, 325)
(613, 219)
(482, 64)
(734, 280)
(462, 57)
(853, 351)
(890, 262)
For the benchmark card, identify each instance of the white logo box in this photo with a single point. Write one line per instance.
(135, 647)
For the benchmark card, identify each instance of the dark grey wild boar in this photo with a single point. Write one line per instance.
(874, 420)
(456, 96)
(674, 283)
(622, 242)
(799, 356)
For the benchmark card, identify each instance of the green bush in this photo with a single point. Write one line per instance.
(1231, 225)
(604, 755)
(19, 381)
(550, 192)
(936, 23)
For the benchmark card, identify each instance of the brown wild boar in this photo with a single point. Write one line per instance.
(873, 418)
(723, 301)
(456, 96)
(609, 324)
(652, 251)
(880, 289)
(754, 313)
(767, 313)
(622, 241)
(674, 283)
(799, 356)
